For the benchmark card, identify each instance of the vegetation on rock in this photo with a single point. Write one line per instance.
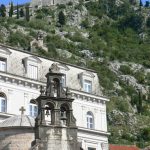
(111, 37)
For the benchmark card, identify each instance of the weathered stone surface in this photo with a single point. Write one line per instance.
(42, 3)
(54, 138)
(16, 138)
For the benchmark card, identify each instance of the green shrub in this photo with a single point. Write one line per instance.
(38, 24)
(134, 99)
(70, 3)
(77, 37)
(147, 78)
(146, 63)
(85, 23)
(95, 9)
(139, 75)
(61, 6)
(125, 69)
(145, 135)
(134, 21)
(122, 105)
(19, 38)
(22, 22)
(61, 44)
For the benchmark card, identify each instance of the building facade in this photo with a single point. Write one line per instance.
(21, 75)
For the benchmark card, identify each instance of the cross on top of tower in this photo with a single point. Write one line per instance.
(22, 109)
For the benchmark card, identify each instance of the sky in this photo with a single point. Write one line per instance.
(6, 2)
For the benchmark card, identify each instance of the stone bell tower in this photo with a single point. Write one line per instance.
(55, 125)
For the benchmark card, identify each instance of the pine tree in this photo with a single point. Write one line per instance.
(21, 12)
(11, 10)
(27, 13)
(61, 18)
(147, 3)
(132, 2)
(141, 4)
(3, 10)
(17, 11)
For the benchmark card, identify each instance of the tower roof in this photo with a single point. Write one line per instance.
(18, 121)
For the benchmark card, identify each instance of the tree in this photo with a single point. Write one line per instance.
(141, 4)
(3, 10)
(17, 11)
(61, 18)
(11, 10)
(148, 22)
(27, 13)
(132, 2)
(147, 4)
(21, 12)
(133, 21)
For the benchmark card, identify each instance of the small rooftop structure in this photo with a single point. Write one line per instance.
(123, 147)
(18, 121)
(17, 132)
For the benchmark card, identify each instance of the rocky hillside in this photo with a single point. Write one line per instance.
(112, 37)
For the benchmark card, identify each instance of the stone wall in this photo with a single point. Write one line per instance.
(40, 3)
(58, 138)
(16, 138)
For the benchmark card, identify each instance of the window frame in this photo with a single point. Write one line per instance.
(3, 60)
(63, 80)
(30, 71)
(32, 111)
(89, 120)
(3, 109)
(31, 61)
(86, 85)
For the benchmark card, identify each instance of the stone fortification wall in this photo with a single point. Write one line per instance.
(41, 3)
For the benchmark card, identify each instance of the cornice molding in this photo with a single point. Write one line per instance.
(35, 84)
(5, 50)
(20, 81)
(93, 131)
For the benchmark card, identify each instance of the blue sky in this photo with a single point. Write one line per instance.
(6, 2)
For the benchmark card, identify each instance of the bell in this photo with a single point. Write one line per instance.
(47, 112)
(63, 116)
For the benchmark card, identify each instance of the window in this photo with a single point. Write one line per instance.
(90, 120)
(33, 71)
(2, 64)
(90, 148)
(31, 66)
(3, 104)
(63, 81)
(33, 110)
(87, 86)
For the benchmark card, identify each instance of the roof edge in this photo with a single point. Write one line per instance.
(52, 59)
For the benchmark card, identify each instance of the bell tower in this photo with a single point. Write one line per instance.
(55, 125)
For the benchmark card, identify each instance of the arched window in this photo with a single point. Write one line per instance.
(64, 114)
(56, 84)
(90, 120)
(49, 113)
(33, 110)
(3, 103)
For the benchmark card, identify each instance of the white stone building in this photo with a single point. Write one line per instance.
(21, 75)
